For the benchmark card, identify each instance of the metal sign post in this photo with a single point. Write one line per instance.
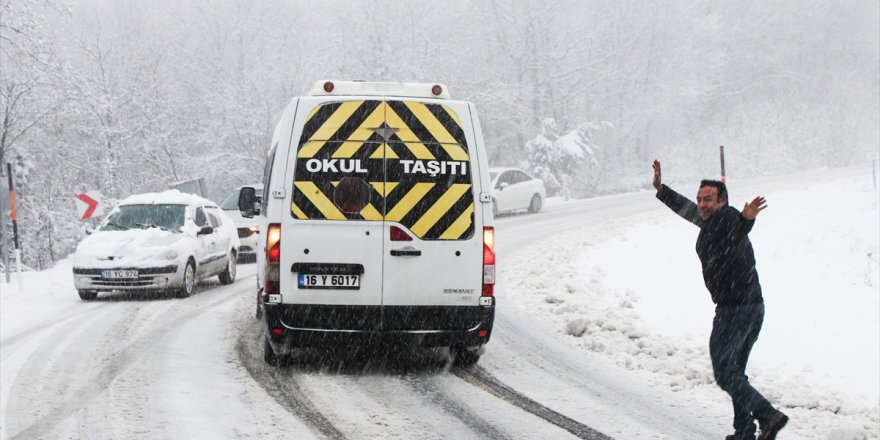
(723, 174)
(4, 241)
(14, 222)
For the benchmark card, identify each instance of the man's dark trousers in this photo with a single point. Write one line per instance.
(734, 331)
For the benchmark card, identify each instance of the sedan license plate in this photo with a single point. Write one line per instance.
(312, 281)
(116, 274)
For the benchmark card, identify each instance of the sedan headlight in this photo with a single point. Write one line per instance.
(248, 231)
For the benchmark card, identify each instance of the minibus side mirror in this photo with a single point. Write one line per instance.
(247, 199)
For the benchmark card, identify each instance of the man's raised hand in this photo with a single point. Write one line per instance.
(751, 210)
(657, 174)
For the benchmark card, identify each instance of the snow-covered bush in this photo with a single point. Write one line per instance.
(565, 160)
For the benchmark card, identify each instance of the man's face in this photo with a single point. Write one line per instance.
(708, 202)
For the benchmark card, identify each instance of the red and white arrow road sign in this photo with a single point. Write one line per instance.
(86, 205)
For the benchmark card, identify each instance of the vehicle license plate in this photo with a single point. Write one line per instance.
(113, 274)
(312, 281)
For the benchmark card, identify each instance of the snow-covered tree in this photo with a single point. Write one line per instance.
(566, 160)
(127, 97)
(29, 77)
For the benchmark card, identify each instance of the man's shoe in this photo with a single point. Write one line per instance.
(771, 425)
(740, 437)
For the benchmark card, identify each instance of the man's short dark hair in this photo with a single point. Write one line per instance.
(717, 184)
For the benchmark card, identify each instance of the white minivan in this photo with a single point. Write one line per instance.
(377, 208)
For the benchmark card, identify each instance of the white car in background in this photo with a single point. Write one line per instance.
(514, 189)
(248, 230)
(164, 241)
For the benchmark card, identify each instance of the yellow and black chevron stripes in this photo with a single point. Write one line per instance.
(438, 210)
(414, 122)
(405, 204)
(318, 200)
(429, 128)
(314, 200)
(432, 211)
(347, 121)
(411, 155)
(429, 210)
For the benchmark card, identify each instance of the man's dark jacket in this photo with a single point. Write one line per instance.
(724, 250)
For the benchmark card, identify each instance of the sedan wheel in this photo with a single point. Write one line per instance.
(88, 295)
(272, 358)
(189, 280)
(228, 275)
(535, 205)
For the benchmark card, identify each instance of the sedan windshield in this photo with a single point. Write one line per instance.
(168, 217)
(230, 203)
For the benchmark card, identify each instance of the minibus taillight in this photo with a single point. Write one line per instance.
(273, 259)
(398, 234)
(488, 261)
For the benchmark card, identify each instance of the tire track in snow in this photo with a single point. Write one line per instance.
(643, 407)
(483, 379)
(33, 328)
(467, 416)
(285, 386)
(76, 400)
(282, 385)
(37, 379)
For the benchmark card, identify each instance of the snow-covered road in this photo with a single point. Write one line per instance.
(123, 367)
